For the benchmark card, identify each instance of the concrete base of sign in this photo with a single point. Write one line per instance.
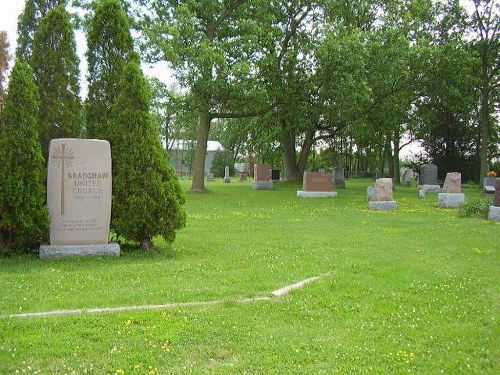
(59, 251)
(429, 188)
(382, 205)
(494, 213)
(316, 194)
(262, 185)
(451, 200)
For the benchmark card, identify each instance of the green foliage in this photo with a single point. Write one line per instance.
(24, 216)
(4, 64)
(56, 67)
(29, 23)
(475, 207)
(147, 198)
(108, 43)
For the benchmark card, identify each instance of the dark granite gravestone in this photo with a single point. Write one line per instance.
(428, 179)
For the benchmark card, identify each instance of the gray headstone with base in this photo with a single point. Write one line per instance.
(494, 213)
(428, 179)
(451, 197)
(79, 198)
(406, 178)
(338, 178)
(381, 196)
(489, 185)
(227, 178)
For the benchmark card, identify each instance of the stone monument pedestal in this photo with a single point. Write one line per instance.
(451, 200)
(59, 251)
(316, 194)
(494, 213)
(429, 188)
(262, 185)
(382, 205)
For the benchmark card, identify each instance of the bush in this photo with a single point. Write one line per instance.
(475, 208)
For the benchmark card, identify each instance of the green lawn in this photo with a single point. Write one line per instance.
(414, 290)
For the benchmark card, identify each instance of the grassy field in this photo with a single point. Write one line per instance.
(414, 290)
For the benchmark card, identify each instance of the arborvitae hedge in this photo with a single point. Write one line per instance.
(147, 198)
(24, 219)
(109, 42)
(57, 73)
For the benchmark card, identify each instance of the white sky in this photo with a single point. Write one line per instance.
(9, 13)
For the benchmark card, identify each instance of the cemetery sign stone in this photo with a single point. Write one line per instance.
(79, 184)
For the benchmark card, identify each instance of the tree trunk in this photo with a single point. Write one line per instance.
(304, 154)
(198, 184)
(483, 123)
(397, 178)
(290, 172)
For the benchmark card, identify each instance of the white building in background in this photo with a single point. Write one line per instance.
(181, 153)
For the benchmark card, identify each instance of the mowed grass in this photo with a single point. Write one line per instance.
(414, 290)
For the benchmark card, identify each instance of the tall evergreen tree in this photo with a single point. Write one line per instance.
(56, 67)
(4, 64)
(24, 216)
(147, 198)
(29, 22)
(109, 41)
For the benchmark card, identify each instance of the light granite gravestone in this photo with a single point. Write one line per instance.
(262, 177)
(317, 185)
(406, 178)
(210, 177)
(338, 178)
(381, 196)
(451, 197)
(428, 179)
(227, 178)
(79, 198)
(494, 213)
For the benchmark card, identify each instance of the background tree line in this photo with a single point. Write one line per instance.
(357, 79)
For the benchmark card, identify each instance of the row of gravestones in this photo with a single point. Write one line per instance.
(380, 196)
(79, 187)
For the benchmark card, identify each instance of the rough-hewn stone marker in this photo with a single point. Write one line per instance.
(451, 197)
(381, 197)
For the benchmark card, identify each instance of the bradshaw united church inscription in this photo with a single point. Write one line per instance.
(79, 191)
